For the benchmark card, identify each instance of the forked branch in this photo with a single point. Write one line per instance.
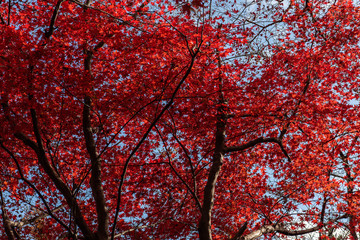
(56, 179)
(255, 142)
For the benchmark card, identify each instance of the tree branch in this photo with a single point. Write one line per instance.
(255, 142)
(34, 219)
(192, 169)
(49, 211)
(2, 20)
(27, 141)
(6, 220)
(216, 163)
(95, 180)
(209, 192)
(170, 102)
(60, 185)
(240, 232)
(53, 19)
(250, 144)
(279, 228)
(193, 193)
(102, 11)
(137, 228)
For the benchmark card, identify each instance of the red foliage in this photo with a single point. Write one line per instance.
(178, 120)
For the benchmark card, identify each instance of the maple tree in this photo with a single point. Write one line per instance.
(178, 119)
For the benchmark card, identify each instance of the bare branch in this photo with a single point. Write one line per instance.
(95, 180)
(250, 144)
(27, 141)
(53, 19)
(257, 141)
(240, 232)
(279, 228)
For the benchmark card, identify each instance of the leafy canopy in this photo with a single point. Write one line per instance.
(164, 119)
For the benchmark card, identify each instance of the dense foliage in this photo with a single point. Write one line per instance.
(161, 119)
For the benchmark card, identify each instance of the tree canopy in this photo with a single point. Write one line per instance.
(161, 119)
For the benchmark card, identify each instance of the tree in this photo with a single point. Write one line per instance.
(178, 120)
